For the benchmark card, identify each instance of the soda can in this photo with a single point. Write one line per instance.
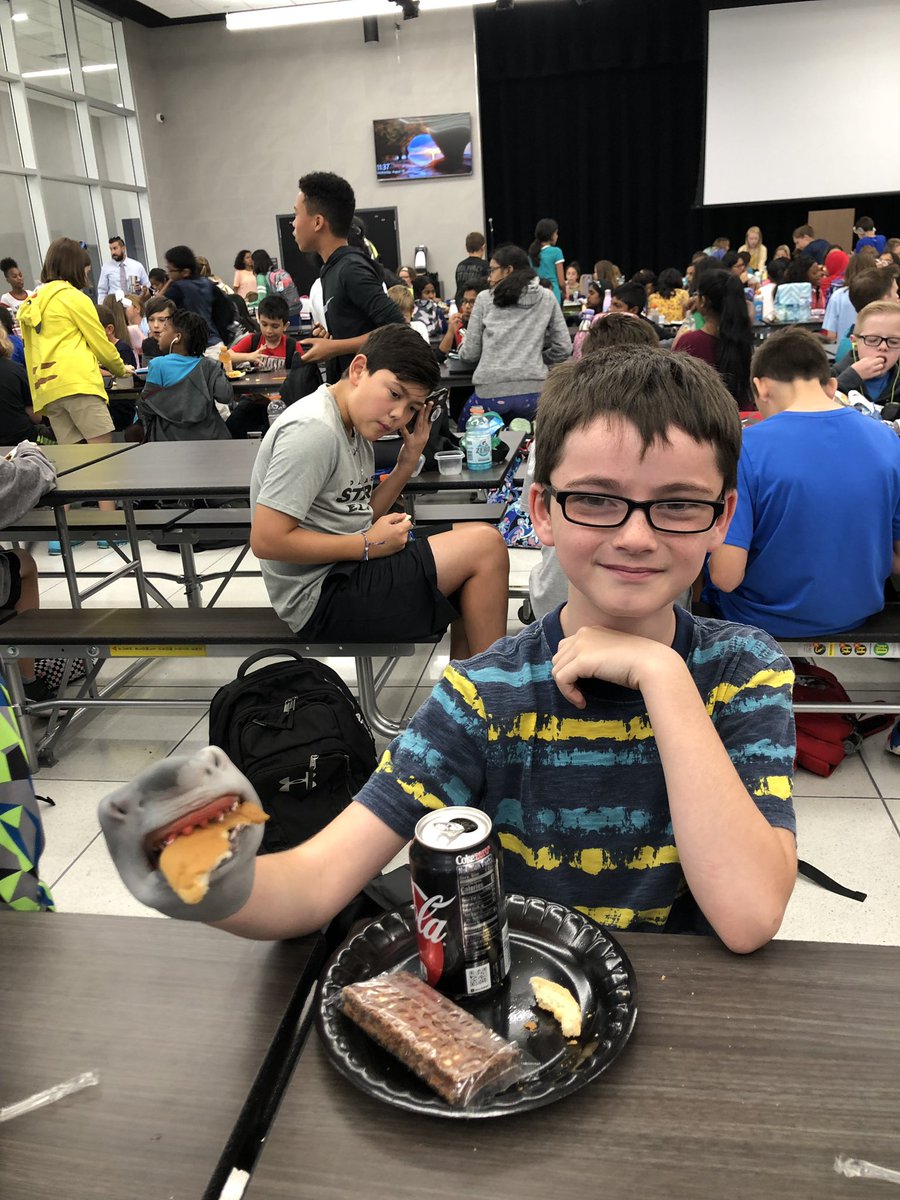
(461, 926)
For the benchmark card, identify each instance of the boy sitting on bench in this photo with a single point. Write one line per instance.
(816, 531)
(338, 564)
(636, 761)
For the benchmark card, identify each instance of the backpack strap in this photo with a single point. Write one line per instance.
(826, 882)
(290, 349)
(255, 339)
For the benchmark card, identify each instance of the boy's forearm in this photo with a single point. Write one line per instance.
(738, 867)
(306, 546)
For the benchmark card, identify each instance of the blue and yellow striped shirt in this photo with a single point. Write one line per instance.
(578, 796)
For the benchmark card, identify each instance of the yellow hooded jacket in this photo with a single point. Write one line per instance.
(63, 342)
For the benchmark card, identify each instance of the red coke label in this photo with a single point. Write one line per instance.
(431, 931)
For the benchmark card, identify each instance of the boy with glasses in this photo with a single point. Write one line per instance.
(635, 761)
(875, 369)
(817, 528)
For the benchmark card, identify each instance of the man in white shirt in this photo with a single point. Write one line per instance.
(122, 273)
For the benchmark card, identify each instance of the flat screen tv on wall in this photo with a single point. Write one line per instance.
(423, 147)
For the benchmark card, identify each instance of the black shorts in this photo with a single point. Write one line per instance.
(386, 599)
(15, 581)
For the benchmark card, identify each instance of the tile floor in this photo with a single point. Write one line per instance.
(849, 825)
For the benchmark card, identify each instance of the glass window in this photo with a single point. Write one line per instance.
(17, 236)
(111, 147)
(123, 218)
(69, 214)
(98, 57)
(57, 139)
(10, 152)
(40, 42)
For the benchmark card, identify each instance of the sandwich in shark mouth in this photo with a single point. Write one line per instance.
(186, 851)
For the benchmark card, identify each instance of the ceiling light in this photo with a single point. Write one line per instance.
(20, 16)
(320, 11)
(92, 70)
(45, 74)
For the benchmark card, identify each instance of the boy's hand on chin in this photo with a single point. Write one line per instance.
(620, 658)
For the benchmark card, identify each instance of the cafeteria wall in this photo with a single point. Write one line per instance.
(248, 113)
(595, 112)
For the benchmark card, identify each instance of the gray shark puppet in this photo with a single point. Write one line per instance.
(159, 803)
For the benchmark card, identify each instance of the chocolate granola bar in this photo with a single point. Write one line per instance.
(443, 1044)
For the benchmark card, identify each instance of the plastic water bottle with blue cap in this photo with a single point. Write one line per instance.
(478, 441)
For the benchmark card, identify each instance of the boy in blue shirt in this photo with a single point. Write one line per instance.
(636, 761)
(817, 528)
(875, 346)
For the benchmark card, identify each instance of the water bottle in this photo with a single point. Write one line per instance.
(758, 308)
(478, 441)
(275, 409)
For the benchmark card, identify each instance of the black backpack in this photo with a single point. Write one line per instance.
(297, 733)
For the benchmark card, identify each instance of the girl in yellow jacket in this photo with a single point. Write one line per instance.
(63, 342)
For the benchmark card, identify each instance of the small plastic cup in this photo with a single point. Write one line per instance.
(450, 462)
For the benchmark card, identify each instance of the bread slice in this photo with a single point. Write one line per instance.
(559, 1001)
(188, 861)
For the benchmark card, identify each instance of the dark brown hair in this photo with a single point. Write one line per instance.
(474, 241)
(653, 389)
(159, 304)
(872, 285)
(619, 329)
(111, 312)
(791, 354)
(400, 349)
(65, 260)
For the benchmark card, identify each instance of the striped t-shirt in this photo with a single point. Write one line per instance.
(578, 796)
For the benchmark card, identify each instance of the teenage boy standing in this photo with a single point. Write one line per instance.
(353, 293)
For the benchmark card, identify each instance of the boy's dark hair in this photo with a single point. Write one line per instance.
(117, 237)
(329, 196)
(631, 294)
(65, 260)
(869, 286)
(777, 269)
(400, 349)
(619, 329)
(274, 307)
(866, 224)
(7, 264)
(804, 231)
(194, 330)
(643, 277)
(158, 304)
(6, 319)
(507, 292)
(744, 256)
(157, 275)
(182, 258)
(474, 242)
(791, 354)
(262, 262)
(239, 260)
(653, 389)
(420, 283)
(475, 285)
(670, 280)
(728, 259)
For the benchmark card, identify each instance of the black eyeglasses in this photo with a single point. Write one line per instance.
(609, 512)
(875, 340)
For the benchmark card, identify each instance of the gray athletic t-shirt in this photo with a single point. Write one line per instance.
(311, 468)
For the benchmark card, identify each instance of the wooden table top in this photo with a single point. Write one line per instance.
(176, 1019)
(744, 1079)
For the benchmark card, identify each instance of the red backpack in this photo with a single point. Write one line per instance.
(825, 739)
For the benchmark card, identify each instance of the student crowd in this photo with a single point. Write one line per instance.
(635, 757)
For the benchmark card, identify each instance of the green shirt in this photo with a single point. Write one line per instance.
(21, 831)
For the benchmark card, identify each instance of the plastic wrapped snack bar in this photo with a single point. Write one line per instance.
(449, 1049)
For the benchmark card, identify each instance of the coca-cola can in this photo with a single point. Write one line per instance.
(457, 886)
